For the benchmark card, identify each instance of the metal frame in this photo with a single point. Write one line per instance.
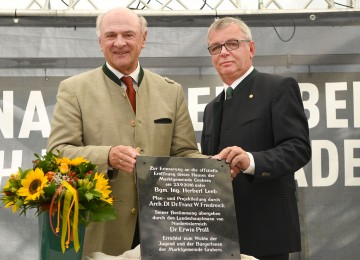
(46, 5)
(44, 13)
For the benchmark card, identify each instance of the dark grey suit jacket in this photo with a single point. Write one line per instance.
(266, 118)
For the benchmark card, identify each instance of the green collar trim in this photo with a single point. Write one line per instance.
(114, 78)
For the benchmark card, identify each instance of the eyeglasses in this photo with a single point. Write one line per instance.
(229, 45)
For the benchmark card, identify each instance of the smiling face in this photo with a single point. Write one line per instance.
(121, 39)
(231, 65)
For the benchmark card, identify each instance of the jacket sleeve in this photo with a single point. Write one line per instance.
(66, 133)
(291, 149)
(184, 140)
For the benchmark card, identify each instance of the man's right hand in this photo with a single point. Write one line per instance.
(123, 158)
(236, 157)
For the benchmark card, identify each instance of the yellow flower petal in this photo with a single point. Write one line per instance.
(64, 167)
(77, 161)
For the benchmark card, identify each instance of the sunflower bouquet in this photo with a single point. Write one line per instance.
(71, 191)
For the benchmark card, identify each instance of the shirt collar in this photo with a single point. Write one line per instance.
(237, 82)
(134, 74)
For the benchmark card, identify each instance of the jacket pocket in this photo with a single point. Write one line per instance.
(163, 121)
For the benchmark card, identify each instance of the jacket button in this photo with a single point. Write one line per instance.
(132, 123)
(133, 211)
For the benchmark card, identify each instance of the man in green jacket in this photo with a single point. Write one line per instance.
(93, 118)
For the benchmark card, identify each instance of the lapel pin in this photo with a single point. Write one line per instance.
(251, 96)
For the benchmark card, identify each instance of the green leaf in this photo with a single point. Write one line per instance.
(95, 193)
(50, 190)
(89, 196)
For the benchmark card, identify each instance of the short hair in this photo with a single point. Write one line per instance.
(221, 23)
(99, 19)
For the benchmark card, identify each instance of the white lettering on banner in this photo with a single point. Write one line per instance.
(15, 163)
(310, 104)
(7, 115)
(318, 176)
(333, 162)
(351, 162)
(301, 178)
(356, 96)
(193, 98)
(332, 104)
(35, 103)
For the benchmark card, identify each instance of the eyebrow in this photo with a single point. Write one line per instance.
(218, 43)
(122, 32)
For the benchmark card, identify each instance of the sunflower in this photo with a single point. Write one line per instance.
(102, 186)
(33, 185)
(77, 161)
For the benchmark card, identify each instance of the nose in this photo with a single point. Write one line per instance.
(223, 48)
(119, 41)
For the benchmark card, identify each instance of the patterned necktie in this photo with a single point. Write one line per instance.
(130, 91)
(229, 92)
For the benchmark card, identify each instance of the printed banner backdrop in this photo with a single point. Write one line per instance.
(328, 186)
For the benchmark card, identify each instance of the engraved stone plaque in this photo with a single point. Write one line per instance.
(186, 209)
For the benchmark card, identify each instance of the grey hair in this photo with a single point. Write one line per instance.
(221, 23)
(99, 19)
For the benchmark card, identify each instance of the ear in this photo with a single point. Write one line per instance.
(144, 39)
(252, 49)
(99, 40)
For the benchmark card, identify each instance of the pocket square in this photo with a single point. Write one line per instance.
(163, 121)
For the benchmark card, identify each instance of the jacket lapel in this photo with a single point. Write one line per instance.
(217, 118)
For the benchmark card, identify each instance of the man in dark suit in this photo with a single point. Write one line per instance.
(261, 130)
